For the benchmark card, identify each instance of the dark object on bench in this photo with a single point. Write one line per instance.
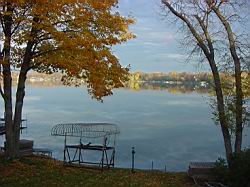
(42, 152)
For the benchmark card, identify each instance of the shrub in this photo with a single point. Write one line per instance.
(238, 174)
(221, 170)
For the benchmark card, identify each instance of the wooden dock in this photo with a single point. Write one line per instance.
(2, 126)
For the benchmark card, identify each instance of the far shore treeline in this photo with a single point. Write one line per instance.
(173, 82)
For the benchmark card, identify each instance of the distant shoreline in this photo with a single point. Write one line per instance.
(173, 82)
(51, 80)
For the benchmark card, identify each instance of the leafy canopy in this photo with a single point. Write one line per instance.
(71, 37)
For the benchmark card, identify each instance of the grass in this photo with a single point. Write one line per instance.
(42, 172)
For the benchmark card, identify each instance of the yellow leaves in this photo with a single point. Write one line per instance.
(102, 4)
(246, 84)
(228, 84)
(73, 37)
(127, 36)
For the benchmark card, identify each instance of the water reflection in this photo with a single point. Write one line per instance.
(169, 129)
(174, 88)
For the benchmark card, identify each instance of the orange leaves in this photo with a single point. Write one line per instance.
(73, 37)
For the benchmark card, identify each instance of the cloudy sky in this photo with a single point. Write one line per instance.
(156, 48)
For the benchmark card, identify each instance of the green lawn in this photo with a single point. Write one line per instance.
(41, 172)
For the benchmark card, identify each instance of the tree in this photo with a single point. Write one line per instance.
(71, 37)
(206, 23)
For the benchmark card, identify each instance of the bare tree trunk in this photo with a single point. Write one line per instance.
(208, 51)
(239, 107)
(218, 89)
(221, 110)
(237, 69)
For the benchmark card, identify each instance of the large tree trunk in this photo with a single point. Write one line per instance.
(11, 145)
(209, 53)
(238, 81)
(19, 105)
(239, 107)
(21, 82)
(221, 110)
(12, 125)
(218, 89)
(20, 94)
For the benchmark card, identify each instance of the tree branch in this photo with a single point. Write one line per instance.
(238, 80)
(1, 91)
(190, 26)
(207, 35)
(45, 52)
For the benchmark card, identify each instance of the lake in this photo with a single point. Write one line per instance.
(168, 129)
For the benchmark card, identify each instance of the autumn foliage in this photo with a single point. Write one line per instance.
(74, 38)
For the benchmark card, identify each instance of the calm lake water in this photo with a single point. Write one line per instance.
(169, 129)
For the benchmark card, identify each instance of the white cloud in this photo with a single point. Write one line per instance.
(160, 35)
(171, 56)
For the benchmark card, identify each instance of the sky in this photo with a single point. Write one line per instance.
(156, 47)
